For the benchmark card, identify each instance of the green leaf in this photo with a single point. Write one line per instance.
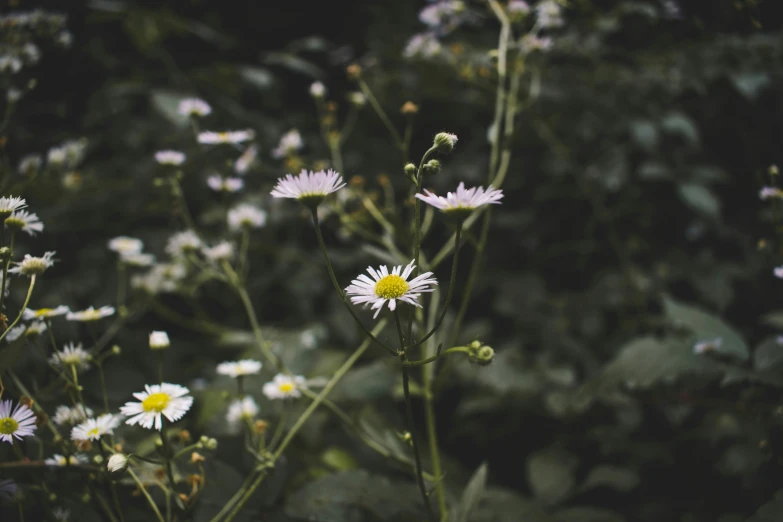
(707, 327)
(621, 479)
(471, 496)
(700, 198)
(550, 473)
(338, 459)
(773, 319)
(294, 63)
(750, 84)
(258, 77)
(681, 124)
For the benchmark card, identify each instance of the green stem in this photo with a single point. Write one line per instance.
(169, 471)
(444, 353)
(21, 310)
(409, 419)
(6, 265)
(381, 113)
(336, 285)
(244, 244)
(179, 196)
(146, 495)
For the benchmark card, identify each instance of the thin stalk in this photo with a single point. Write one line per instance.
(381, 113)
(409, 420)
(146, 495)
(244, 244)
(6, 264)
(444, 353)
(21, 310)
(103, 388)
(336, 285)
(169, 471)
(184, 211)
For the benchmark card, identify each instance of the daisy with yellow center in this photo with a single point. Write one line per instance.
(385, 287)
(44, 313)
(94, 429)
(15, 423)
(241, 410)
(90, 314)
(156, 401)
(284, 386)
(72, 355)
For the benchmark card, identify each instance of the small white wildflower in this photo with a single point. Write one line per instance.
(243, 162)
(15, 423)
(170, 157)
(35, 329)
(357, 98)
(233, 137)
(23, 221)
(386, 287)
(30, 165)
(182, 243)
(239, 368)
(61, 514)
(90, 314)
(290, 142)
(94, 429)
(463, 201)
(15, 333)
(778, 272)
(241, 410)
(71, 356)
(117, 462)
(44, 313)
(220, 184)
(169, 400)
(245, 216)
(159, 340)
(137, 259)
(549, 14)
(424, 45)
(770, 192)
(71, 415)
(317, 90)
(284, 386)
(193, 107)
(308, 187)
(532, 42)
(61, 461)
(126, 245)
(57, 156)
(30, 266)
(10, 204)
(223, 251)
(518, 7)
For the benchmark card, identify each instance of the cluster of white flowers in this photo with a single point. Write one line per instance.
(289, 143)
(229, 184)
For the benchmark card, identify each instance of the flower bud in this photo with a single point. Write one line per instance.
(116, 350)
(317, 90)
(195, 458)
(432, 167)
(357, 99)
(445, 142)
(159, 340)
(410, 169)
(117, 462)
(261, 426)
(409, 108)
(483, 355)
(353, 71)
(773, 170)
(5, 253)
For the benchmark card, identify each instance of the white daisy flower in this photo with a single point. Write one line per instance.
(30, 266)
(137, 259)
(21, 220)
(284, 386)
(549, 14)
(126, 245)
(240, 410)
(239, 368)
(44, 313)
(243, 162)
(35, 328)
(15, 333)
(71, 415)
(290, 142)
(778, 271)
(57, 156)
(220, 184)
(94, 429)
(223, 251)
(770, 192)
(424, 45)
(117, 462)
(183, 242)
(90, 314)
(245, 216)
(308, 187)
(29, 165)
(317, 90)
(15, 423)
(71, 356)
(463, 201)
(518, 7)
(159, 340)
(170, 157)
(169, 400)
(233, 137)
(193, 107)
(164, 277)
(10, 204)
(62, 461)
(389, 287)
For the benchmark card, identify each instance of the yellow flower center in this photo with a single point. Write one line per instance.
(95, 432)
(391, 287)
(91, 315)
(8, 426)
(156, 402)
(287, 387)
(43, 312)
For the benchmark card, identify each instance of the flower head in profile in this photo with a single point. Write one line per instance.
(24, 221)
(156, 401)
(30, 165)
(308, 187)
(94, 429)
(193, 107)
(170, 157)
(290, 142)
(125, 245)
(389, 287)
(71, 415)
(90, 314)
(220, 184)
(33, 266)
(464, 201)
(183, 242)
(10, 204)
(72, 355)
(231, 137)
(61, 461)
(245, 216)
(284, 386)
(239, 368)
(240, 410)
(117, 462)
(15, 423)
(244, 161)
(44, 313)
(138, 259)
(770, 192)
(223, 251)
(159, 340)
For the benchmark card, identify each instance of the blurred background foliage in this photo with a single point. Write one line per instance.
(631, 230)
